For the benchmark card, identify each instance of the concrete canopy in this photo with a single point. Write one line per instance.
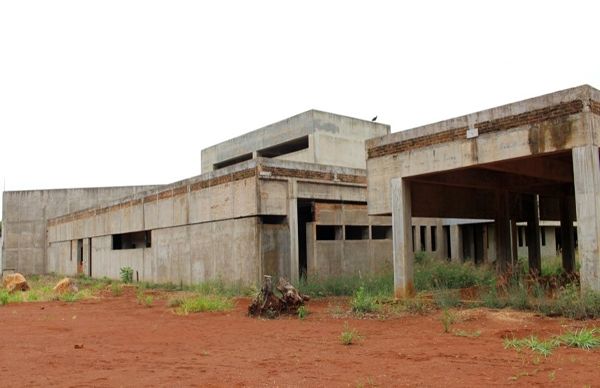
(518, 162)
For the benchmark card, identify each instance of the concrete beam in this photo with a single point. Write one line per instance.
(586, 171)
(402, 230)
(536, 167)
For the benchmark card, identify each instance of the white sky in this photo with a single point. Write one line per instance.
(103, 93)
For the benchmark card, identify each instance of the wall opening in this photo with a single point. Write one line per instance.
(520, 235)
(382, 232)
(423, 231)
(357, 232)
(273, 220)
(448, 241)
(288, 147)
(134, 240)
(305, 215)
(413, 238)
(329, 232)
(90, 257)
(80, 256)
(433, 231)
(232, 161)
(543, 233)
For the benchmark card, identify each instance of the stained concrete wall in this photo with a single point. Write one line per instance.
(25, 215)
(333, 139)
(344, 255)
(547, 250)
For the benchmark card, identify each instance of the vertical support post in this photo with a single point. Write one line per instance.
(532, 211)
(586, 174)
(293, 227)
(567, 234)
(402, 230)
(456, 244)
(503, 234)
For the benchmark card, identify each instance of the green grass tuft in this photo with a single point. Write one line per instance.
(349, 336)
(205, 303)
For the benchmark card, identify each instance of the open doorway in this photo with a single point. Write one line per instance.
(80, 256)
(305, 214)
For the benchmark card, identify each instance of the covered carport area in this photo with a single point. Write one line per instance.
(522, 162)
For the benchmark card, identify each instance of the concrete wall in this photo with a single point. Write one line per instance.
(344, 255)
(26, 213)
(547, 250)
(332, 140)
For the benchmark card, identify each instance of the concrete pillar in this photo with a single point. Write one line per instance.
(503, 232)
(440, 241)
(417, 238)
(567, 234)
(401, 223)
(532, 213)
(586, 174)
(456, 248)
(293, 227)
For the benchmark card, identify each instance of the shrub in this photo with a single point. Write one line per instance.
(362, 302)
(432, 274)
(4, 298)
(447, 298)
(126, 274)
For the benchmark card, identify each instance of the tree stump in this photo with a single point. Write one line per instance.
(266, 303)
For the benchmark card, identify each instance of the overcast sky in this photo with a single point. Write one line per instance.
(106, 93)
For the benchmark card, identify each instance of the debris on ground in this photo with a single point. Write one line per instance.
(267, 304)
(66, 285)
(15, 282)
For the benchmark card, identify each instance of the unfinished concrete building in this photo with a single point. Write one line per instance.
(287, 199)
(522, 162)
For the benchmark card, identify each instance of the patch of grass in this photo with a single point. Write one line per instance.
(349, 335)
(468, 334)
(434, 274)
(204, 303)
(416, 305)
(532, 343)
(380, 285)
(582, 338)
(148, 300)
(448, 318)
(363, 302)
(4, 298)
(174, 302)
(447, 298)
(116, 289)
(302, 312)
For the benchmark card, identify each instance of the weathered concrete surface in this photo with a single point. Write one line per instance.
(332, 140)
(25, 215)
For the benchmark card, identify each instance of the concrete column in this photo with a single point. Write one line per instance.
(567, 234)
(293, 226)
(532, 212)
(440, 241)
(401, 222)
(586, 174)
(456, 248)
(503, 233)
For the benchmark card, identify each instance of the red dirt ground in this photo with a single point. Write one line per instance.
(126, 344)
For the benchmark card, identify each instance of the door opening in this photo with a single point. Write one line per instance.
(80, 256)
(305, 214)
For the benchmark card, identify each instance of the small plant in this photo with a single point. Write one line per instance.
(126, 274)
(583, 338)
(362, 302)
(174, 302)
(302, 312)
(448, 319)
(3, 298)
(148, 300)
(69, 297)
(447, 298)
(349, 336)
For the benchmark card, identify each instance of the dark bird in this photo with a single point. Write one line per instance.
(374, 118)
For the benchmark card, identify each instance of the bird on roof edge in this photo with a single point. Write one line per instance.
(374, 118)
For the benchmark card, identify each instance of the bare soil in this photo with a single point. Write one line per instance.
(114, 341)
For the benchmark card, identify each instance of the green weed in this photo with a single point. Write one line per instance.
(583, 338)
(349, 335)
(363, 302)
(203, 303)
(448, 319)
(126, 274)
(302, 312)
